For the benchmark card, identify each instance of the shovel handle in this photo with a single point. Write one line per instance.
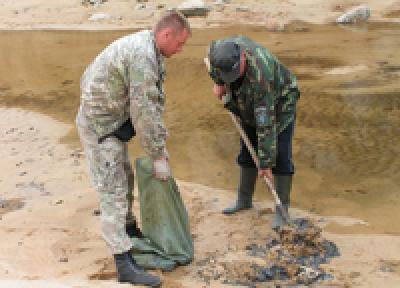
(271, 187)
(250, 147)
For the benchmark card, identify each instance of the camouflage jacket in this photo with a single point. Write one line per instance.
(126, 80)
(266, 98)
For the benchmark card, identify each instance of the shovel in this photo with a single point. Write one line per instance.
(246, 140)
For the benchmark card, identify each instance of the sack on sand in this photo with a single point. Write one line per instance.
(165, 222)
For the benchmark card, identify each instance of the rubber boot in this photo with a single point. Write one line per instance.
(248, 177)
(283, 185)
(129, 272)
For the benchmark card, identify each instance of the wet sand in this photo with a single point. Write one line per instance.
(54, 240)
(345, 149)
(346, 132)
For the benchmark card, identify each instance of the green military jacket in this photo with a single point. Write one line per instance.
(266, 98)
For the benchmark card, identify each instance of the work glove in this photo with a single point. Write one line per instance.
(161, 169)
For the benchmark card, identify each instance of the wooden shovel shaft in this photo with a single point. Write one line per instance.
(254, 156)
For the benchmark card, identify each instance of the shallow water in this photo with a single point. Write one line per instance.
(347, 135)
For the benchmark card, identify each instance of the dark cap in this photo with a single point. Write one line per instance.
(224, 56)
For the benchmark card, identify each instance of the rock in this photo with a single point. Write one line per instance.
(67, 82)
(140, 6)
(192, 8)
(358, 14)
(220, 5)
(63, 259)
(265, 211)
(96, 212)
(301, 29)
(92, 2)
(160, 6)
(242, 9)
(100, 16)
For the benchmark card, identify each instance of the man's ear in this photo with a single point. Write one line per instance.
(243, 61)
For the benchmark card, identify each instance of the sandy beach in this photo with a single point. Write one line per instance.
(50, 232)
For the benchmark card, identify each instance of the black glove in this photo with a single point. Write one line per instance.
(124, 133)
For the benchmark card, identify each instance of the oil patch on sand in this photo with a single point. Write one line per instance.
(295, 256)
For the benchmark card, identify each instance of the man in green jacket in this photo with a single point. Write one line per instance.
(255, 86)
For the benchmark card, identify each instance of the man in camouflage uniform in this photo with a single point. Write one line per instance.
(121, 95)
(263, 93)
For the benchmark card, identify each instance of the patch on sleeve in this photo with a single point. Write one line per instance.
(261, 116)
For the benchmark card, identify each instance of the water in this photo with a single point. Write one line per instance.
(347, 135)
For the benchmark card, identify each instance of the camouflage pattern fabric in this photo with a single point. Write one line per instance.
(112, 176)
(266, 98)
(124, 81)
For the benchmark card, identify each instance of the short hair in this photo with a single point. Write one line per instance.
(173, 19)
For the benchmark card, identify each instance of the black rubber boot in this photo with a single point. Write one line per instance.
(129, 272)
(283, 186)
(133, 230)
(248, 178)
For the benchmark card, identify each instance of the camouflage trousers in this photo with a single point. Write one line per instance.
(113, 179)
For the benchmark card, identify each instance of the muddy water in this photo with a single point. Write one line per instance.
(347, 136)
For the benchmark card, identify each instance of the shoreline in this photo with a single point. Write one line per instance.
(111, 27)
(73, 232)
(132, 14)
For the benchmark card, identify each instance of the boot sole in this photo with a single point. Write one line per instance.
(236, 211)
(141, 284)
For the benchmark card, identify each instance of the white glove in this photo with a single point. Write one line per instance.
(161, 169)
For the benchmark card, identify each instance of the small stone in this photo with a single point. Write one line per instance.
(193, 8)
(92, 2)
(265, 211)
(96, 212)
(242, 9)
(386, 269)
(220, 5)
(140, 6)
(63, 259)
(354, 274)
(23, 173)
(59, 202)
(301, 29)
(100, 16)
(67, 82)
(358, 14)
(160, 6)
